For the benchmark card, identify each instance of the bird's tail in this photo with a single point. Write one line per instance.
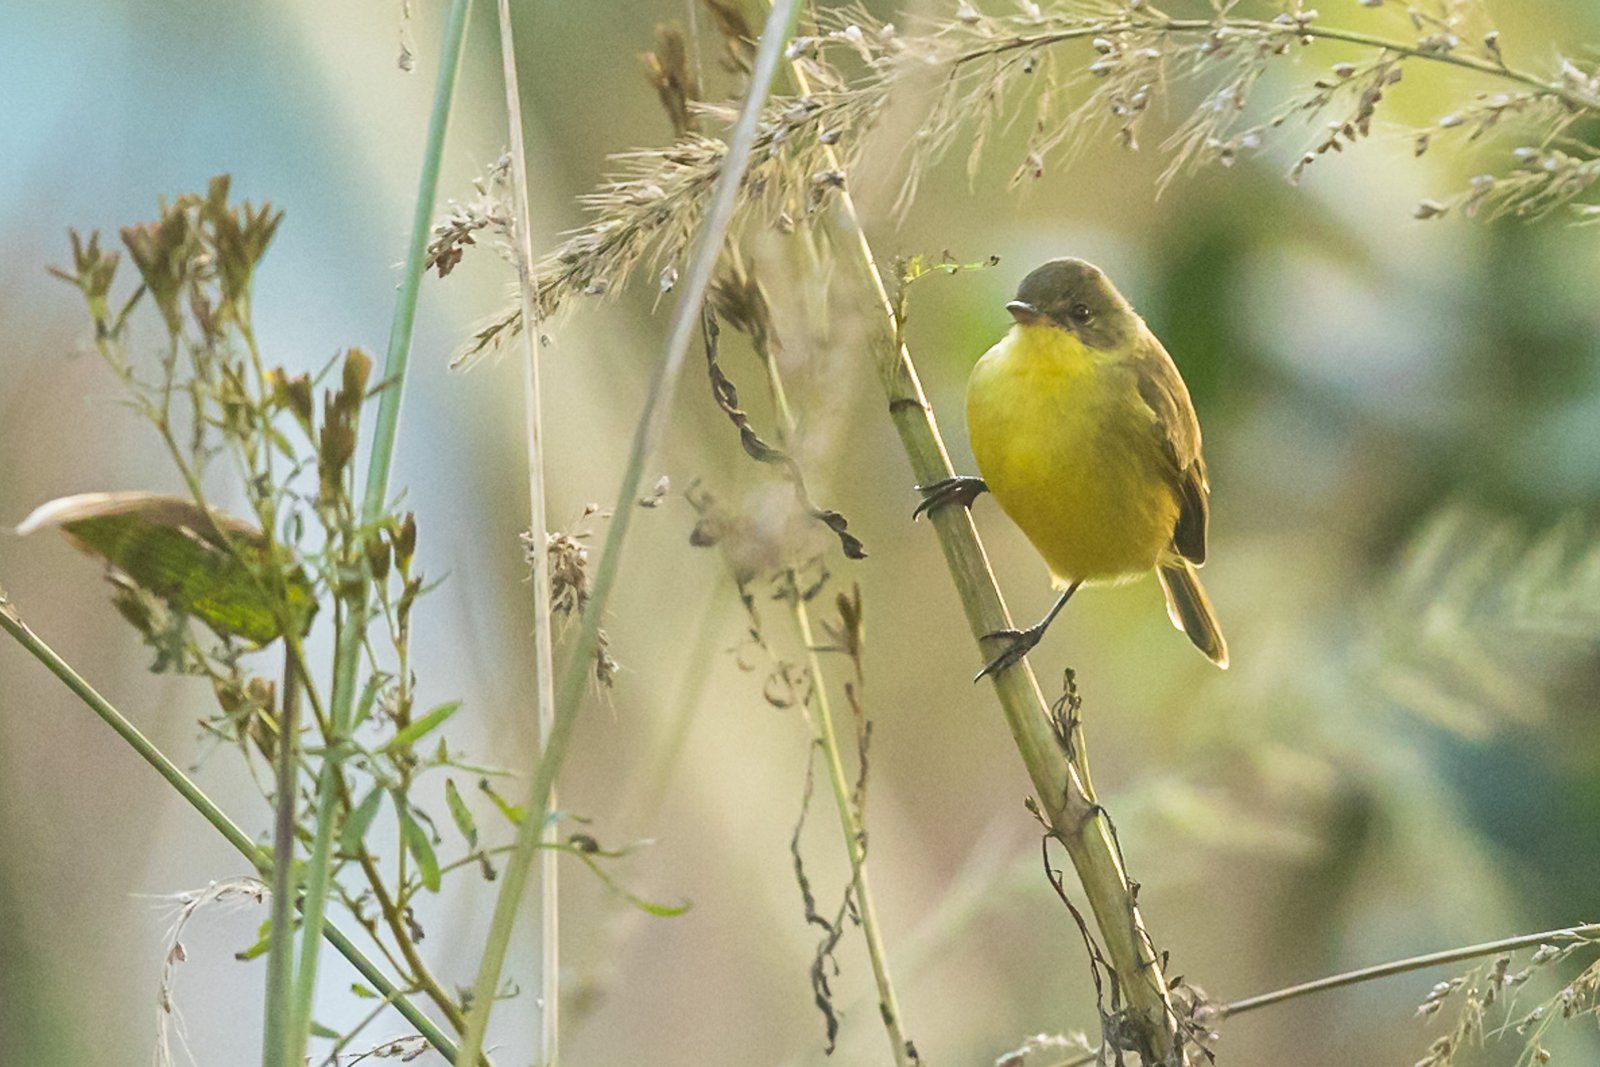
(1190, 610)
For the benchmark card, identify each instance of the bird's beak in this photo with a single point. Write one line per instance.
(1023, 311)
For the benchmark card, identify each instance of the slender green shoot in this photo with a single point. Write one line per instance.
(855, 843)
(1403, 966)
(350, 635)
(1374, 972)
(851, 818)
(647, 436)
(278, 1028)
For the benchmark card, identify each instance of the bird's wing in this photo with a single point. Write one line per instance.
(1167, 397)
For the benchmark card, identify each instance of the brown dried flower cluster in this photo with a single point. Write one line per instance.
(568, 553)
(463, 222)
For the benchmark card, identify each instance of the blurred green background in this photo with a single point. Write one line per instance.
(1383, 771)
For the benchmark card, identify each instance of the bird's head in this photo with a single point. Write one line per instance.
(1076, 296)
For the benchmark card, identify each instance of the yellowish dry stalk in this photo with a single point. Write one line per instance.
(1065, 799)
(543, 661)
(851, 817)
(855, 843)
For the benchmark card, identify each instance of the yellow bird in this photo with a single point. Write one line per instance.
(1085, 433)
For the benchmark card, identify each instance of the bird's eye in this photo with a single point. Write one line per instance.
(1080, 313)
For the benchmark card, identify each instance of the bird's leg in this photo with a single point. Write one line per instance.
(1022, 641)
(963, 489)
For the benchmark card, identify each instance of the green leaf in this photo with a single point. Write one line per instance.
(420, 728)
(255, 951)
(483, 770)
(259, 949)
(281, 443)
(461, 813)
(369, 697)
(513, 813)
(660, 911)
(416, 839)
(355, 827)
(325, 1032)
(427, 823)
(171, 548)
(363, 992)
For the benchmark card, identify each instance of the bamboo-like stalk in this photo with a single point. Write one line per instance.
(647, 436)
(1064, 796)
(543, 666)
(1066, 800)
(351, 632)
(11, 622)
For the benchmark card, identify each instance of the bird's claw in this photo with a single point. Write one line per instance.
(1021, 643)
(962, 489)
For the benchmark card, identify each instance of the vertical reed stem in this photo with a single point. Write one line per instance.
(543, 668)
(851, 818)
(279, 1026)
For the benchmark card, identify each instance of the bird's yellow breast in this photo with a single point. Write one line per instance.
(1072, 453)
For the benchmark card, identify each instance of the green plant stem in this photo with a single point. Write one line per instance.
(344, 1042)
(855, 843)
(647, 437)
(279, 1026)
(1473, 63)
(13, 625)
(435, 1037)
(1065, 797)
(405, 309)
(319, 872)
(395, 919)
(319, 865)
(851, 818)
(543, 660)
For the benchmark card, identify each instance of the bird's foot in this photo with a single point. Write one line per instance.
(963, 489)
(1021, 643)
